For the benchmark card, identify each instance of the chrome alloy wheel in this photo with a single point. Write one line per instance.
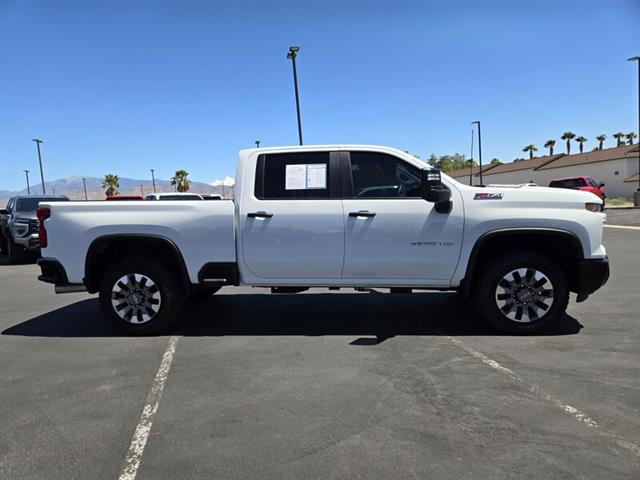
(524, 295)
(135, 298)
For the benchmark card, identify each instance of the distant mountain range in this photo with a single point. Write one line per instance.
(72, 187)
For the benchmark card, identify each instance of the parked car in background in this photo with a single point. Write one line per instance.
(173, 196)
(19, 225)
(586, 184)
(124, 197)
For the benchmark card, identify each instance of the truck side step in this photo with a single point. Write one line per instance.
(288, 289)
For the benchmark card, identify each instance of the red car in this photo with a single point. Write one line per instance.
(586, 184)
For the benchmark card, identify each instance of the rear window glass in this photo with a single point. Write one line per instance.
(569, 183)
(31, 204)
(293, 176)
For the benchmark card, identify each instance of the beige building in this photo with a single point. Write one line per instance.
(616, 167)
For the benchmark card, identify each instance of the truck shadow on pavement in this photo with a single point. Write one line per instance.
(370, 316)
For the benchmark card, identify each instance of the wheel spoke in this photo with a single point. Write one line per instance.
(519, 311)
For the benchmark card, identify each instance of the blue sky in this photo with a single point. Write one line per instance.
(122, 87)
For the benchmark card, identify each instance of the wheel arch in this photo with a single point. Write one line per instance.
(107, 250)
(562, 246)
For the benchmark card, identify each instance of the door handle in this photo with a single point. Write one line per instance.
(260, 214)
(362, 213)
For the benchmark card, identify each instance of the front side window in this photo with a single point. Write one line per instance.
(285, 176)
(378, 175)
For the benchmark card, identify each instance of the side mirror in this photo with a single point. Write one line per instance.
(434, 191)
(601, 185)
(4, 211)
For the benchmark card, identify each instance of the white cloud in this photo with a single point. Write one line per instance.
(227, 182)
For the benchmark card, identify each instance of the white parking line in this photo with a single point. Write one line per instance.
(622, 227)
(141, 434)
(577, 414)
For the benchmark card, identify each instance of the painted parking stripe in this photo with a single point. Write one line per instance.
(570, 410)
(622, 227)
(141, 433)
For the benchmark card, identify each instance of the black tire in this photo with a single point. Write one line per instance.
(498, 286)
(15, 252)
(116, 304)
(201, 292)
(3, 244)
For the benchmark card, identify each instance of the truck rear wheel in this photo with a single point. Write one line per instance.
(140, 297)
(522, 293)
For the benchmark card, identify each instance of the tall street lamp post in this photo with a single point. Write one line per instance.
(477, 122)
(26, 172)
(293, 53)
(153, 181)
(38, 142)
(84, 185)
(636, 194)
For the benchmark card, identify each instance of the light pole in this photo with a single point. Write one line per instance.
(26, 172)
(84, 185)
(153, 181)
(293, 53)
(175, 184)
(471, 161)
(257, 142)
(636, 195)
(141, 190)
(38, 142)
(479, 150)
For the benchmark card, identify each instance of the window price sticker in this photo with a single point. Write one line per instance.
(306, 176)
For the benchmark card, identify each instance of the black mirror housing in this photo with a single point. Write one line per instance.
(433, 190)
(4, 211)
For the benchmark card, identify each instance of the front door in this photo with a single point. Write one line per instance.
(293, 229)
(391, 232)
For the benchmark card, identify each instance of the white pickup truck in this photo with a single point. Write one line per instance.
(339, 216)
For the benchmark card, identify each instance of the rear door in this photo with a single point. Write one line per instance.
(391, 232)
(292, 222)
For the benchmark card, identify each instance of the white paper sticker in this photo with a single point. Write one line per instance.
(317, 175)
(295, 177)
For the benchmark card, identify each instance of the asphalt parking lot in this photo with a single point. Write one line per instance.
(321, 385)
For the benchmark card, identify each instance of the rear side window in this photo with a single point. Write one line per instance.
(284, 176)
(377, 175)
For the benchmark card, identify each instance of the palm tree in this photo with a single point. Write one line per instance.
(180, 181)
(568, 136)
(550, 144)
(601, 139)
(530, 148)
(111, 183)
(580, 141)
(619, 136)
(630, 136)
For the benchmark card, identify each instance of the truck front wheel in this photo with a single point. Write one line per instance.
(522, 293)
(140, 297)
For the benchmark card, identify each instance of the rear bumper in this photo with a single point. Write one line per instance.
(53, 272)
(592, 274)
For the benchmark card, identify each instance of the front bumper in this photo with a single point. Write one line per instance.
(30, 242)
(53, 272)
(592, 274)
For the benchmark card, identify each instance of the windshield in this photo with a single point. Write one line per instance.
(31, 204)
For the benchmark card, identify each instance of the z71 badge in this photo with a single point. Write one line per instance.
(488, 196)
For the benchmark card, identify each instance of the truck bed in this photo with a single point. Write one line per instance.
(203, 231)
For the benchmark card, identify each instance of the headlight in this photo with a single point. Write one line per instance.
(21, 226)
(593, 207)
